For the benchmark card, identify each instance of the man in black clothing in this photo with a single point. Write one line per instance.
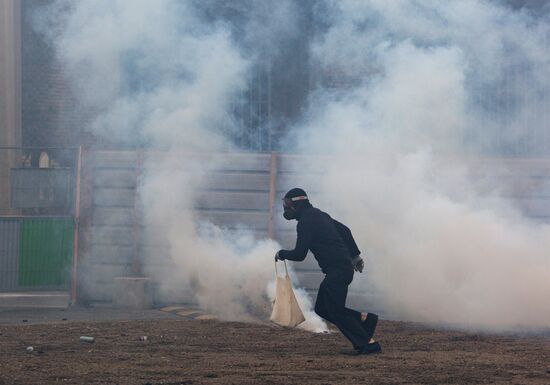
(335, 250)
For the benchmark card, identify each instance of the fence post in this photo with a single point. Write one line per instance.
(272, 192)
(136, 265)
(76, 226)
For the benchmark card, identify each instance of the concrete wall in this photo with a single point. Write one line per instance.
(112, 237)
(236, 193)
(10, 92)
(107, 244)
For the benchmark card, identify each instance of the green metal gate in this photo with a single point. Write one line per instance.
(46, 248)
(42, 257)
(39, 211)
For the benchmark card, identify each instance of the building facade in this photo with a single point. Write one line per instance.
(10, 92)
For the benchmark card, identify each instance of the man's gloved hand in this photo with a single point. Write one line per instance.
(277, 258)
(357, 262)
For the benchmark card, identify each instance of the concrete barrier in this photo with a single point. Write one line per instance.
(132, 293)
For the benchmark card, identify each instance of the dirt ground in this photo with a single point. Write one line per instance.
(183, 351)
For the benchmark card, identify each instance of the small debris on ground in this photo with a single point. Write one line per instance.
(256, 353)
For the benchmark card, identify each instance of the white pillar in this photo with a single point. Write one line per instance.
(10, 93)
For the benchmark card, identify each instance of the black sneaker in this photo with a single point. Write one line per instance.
(370, 324)
(370, 349)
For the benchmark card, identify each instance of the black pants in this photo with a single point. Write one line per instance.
(331, 305)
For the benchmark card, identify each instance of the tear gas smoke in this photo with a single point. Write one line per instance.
(422, 86)
(440, 250)
(156, 75)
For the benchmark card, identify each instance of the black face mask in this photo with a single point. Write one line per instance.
(289, 211)
(289, 214)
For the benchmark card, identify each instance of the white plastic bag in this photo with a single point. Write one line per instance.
(286, 311)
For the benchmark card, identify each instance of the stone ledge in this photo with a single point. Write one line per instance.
(39, 300)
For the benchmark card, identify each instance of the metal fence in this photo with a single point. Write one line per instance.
(35, 253)
(37, 181)
(38, 217)
(38, 249)
(508, 117)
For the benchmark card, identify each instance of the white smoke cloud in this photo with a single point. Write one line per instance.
(438, 250)
(151, 71)
(426, 85)
(229, 273)
(498, 47)
(156, 74)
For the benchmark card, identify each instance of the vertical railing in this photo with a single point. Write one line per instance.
(272, 192)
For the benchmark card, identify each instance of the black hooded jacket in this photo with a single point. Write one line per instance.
(330, 241)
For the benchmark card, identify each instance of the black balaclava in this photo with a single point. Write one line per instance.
(294, 202)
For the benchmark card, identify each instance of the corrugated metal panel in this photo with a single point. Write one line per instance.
(9, 253)
(45, 252)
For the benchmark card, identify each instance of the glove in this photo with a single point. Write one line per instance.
(277, 258)
(358, 264)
